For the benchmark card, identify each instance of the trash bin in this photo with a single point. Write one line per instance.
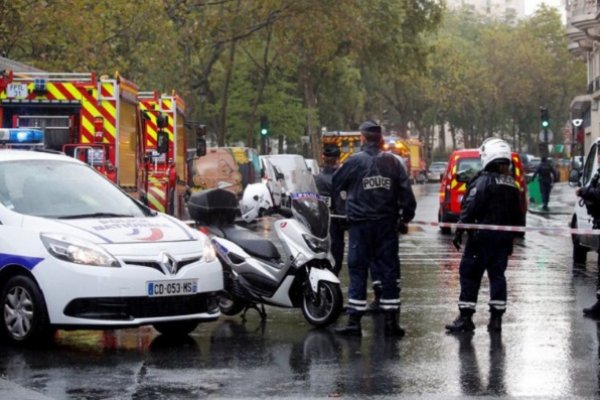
(535, 195)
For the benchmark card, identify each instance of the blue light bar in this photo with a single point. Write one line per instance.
(21, 135)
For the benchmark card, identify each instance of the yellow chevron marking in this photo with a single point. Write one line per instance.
(453, 184)
(155, 203)
(75, 93)
(110, 88)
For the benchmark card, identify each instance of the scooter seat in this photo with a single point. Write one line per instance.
(251, 242)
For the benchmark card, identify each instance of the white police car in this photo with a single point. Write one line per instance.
(77, 252)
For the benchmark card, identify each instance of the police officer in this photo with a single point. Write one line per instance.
(591, 195)
(379, 196)
(337, 204)
(547, 177)
(492, 198)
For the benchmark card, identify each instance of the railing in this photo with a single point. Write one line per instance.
(54, 76)
(583, 7)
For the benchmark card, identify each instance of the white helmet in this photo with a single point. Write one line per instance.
(256, 198)
(494, 149)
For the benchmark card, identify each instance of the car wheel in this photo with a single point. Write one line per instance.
(176, 328)
(444, 229)
(24, 317)
(579, 251)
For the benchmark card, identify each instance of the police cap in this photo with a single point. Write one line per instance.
(371, 130)
(331, 151)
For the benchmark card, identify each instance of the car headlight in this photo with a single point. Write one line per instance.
(316, 245)
(77, 251)
(208, 251)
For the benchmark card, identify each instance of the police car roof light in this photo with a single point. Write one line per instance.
(20, 135)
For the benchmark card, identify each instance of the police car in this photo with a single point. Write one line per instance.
(77, 252)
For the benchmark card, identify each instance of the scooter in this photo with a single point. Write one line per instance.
(256, 273)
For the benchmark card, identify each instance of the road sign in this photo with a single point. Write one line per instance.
(550, 136)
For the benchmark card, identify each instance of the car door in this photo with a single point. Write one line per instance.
(584, 220)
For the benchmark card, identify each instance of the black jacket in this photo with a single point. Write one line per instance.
(591, 195)
(377, 186)
(492, 199)
(325, 187)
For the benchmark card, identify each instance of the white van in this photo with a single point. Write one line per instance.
(77, 252)
(580, 218)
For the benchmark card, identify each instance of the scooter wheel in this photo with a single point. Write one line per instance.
(229, 305)
(324, 307)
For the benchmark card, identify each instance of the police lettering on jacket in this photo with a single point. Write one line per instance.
(376, 186)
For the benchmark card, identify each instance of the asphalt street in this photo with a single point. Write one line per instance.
(547, 349)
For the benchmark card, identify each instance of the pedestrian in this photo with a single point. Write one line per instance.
(547, 176)
(379, 198)
(336, 204)
(492, 199)
(591, 196)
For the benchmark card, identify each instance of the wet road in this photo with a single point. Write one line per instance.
(546, 349)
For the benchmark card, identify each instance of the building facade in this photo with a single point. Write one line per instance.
(506, 10)
(583, 31)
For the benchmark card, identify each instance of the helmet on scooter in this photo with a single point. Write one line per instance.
(494, 150)
(255, 200)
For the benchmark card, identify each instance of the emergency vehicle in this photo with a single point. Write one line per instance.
(347, 141)
(77, 252)
(107, 123)
(463, 165)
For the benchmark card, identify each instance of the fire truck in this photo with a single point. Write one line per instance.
(100, 121)
(410, 150)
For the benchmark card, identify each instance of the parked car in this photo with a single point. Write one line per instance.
(582, 243)
(78, 252)
(313, 166)
(297, 176)
(436, 170)
(463, 165)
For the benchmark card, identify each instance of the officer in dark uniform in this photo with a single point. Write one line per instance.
(547, 176)
(379, 196)
(492, 198)
(337, 205)
(591, 196)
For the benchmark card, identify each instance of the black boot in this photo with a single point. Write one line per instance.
(374, 306)
(593, 311)
(392, 325)
(495, 324)
(463, 323)
(352, 327)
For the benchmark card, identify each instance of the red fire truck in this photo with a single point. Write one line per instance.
(101, 121)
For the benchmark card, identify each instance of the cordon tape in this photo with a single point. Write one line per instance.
(505, 228)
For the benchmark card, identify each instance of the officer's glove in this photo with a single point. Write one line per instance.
(402, 227)
(457, 241)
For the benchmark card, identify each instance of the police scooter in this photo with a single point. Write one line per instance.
(256, 273)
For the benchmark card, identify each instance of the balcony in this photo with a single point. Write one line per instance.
(584, 14)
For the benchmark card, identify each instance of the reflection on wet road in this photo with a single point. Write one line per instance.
(546, 349)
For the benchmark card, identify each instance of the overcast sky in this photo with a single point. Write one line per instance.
(531, 5)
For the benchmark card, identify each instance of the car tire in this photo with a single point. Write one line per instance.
(445, 230)
(579, 251)
(176, 328)
(24, 317)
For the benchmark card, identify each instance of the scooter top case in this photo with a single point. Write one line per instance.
(217, 208)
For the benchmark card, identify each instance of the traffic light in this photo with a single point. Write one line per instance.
(545, 119)
(264, 125)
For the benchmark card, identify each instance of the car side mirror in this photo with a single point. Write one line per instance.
(463, 177)
(575, 178)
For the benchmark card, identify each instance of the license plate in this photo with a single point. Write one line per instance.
(171, 288)
(16, 91)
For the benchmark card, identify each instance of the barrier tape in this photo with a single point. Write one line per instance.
(504, 228)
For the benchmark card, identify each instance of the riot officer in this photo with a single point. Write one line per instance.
(591, 196)
(379, 196)
(337, 204)
(492, 198)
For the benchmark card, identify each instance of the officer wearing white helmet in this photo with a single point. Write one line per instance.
(493, 199)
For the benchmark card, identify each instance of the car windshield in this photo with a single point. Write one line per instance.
(468, 167)
(312, 213)
(59, 189)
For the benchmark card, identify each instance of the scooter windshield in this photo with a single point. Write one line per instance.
(312, 213)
